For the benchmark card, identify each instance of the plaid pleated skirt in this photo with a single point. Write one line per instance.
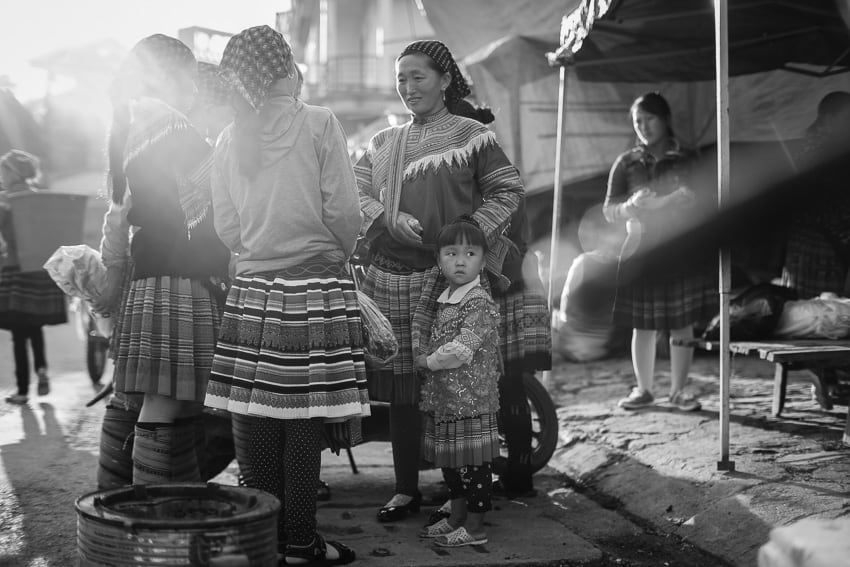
(166, 340)
(665, 302)
(291, 347)
(461, 442)
(396, 293)
(30, 299)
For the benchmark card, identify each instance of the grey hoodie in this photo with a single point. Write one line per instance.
(303, 202)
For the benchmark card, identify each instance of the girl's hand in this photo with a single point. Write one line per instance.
(683, 197)
(408, 229)
(644, 199)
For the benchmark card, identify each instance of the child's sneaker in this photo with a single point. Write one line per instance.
(637, 399)
(17, 399)
(683, 402)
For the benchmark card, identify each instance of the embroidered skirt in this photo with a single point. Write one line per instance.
(397, 296)
(166, 338)
(30, 299)
(525, 334)
(461, 442)
(291, 347)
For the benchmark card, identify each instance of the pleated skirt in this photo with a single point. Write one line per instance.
(30, 299)
(461, 442)
(291, 347)
(525, 334)
(166, 341)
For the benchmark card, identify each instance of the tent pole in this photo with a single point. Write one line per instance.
(721, 52)
(556, 194)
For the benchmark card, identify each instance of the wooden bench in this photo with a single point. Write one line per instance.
(790, 355)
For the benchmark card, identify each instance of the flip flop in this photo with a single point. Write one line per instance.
(441, 528)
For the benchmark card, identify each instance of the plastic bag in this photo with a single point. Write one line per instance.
(79, 272)
(823, 317)
(753, 314)
(379, 341)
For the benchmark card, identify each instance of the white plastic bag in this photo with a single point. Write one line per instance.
(79, 272)
(823, 317)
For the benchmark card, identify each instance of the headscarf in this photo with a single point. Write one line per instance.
(213, 90)
(254, 59)
(24, 164)
(151, 66)
(436, 50)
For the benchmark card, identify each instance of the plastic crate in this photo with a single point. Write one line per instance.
(44, 221)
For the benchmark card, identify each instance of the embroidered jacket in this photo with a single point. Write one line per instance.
(464, 357)
(452, 165)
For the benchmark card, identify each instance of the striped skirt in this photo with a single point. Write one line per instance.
(166, 338)
(462, 442)
(291, 347)
(666, 302)
(397, 296)
(30, 299)
(525, 334)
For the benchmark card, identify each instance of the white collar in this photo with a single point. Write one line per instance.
(459, 293)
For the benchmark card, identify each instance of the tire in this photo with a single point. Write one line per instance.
(544, 422)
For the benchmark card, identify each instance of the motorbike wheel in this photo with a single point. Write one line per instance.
(544, 422)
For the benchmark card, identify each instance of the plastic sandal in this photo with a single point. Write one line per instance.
(316, 553)
(459, 538)
(441, 528)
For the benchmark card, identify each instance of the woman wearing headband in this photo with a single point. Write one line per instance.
(414, 179)
(170, 311)
(28, 300)
(290, 355)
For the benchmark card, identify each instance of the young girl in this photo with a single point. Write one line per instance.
(460, 394)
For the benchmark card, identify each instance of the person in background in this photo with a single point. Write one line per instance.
(290, 352)
(210, 113)
(414, 179)
(460, 388)
(170, 312)
(649, 189)
(28, 300)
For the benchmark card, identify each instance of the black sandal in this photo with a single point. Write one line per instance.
(316, 553)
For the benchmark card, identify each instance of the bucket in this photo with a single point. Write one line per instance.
(177, 524)
(44, 221)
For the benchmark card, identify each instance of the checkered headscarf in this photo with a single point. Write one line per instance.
(255, 58)
(436, 50)
(151, 65)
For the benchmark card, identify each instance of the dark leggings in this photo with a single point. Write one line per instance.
(405, 435)
(20, 336)
(285, 460)
(516, 425)
(473, 483)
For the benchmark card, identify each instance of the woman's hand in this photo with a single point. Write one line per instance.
(644, 199)
(683, 197)
(422, 362)
(408, 229)
(112, 293)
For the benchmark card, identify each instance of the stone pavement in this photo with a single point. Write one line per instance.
(660, 465)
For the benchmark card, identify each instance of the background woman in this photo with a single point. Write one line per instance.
(650, 189)
(28, 300)
(290, 354)
(414, 179)
(170, 317)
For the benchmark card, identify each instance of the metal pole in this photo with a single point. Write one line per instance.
(721, 52)
(556, 194)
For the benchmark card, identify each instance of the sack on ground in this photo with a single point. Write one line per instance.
(379, 341)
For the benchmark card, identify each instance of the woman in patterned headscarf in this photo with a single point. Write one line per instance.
(413, 180)
(290, 357)
(170, 310)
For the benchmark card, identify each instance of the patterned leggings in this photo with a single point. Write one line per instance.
(473, 482)
(286, 459)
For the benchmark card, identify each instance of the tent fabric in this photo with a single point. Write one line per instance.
(632, 40)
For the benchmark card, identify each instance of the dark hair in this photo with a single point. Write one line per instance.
(455, 103)
(656, 104)
(463, 229)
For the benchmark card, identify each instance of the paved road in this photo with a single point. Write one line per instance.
(48, 453)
